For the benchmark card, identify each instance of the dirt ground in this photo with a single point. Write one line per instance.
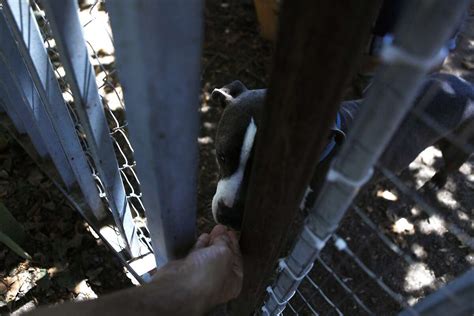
(69, 264)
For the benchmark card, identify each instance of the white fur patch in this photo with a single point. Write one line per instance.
(227, 188)
(225, 94)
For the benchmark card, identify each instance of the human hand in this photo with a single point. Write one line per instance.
(215, 264)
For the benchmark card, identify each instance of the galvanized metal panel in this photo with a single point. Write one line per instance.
(18, 112)
(67, 31)
(30, 43)
(15, 70)
(158, 50)
(22, 93)
(8, 107)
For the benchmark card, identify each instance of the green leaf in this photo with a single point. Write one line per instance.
(14, 246)
(10, 227)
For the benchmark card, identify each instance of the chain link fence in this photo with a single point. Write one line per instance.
(99, 40)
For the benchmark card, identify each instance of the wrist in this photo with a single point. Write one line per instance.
(184, 288)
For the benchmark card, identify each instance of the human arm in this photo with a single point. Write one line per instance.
(210, 275)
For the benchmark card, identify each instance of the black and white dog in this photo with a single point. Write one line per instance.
(450, 104)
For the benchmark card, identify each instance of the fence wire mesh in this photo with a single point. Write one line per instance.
(414, 256)
(403, 239)
(414, 251)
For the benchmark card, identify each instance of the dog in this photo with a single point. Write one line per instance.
(445, 99)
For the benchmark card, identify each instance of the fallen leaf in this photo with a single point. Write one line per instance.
(35, 177)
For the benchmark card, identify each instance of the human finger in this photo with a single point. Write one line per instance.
(202, 241)
(218, 230)
(221, 240)
(237, 265)
(234, 242)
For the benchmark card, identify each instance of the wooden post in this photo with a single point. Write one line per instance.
(267, 14)
(318, 49)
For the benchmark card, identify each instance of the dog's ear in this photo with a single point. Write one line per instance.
(221, 96)
(227, 93)
(339, 136)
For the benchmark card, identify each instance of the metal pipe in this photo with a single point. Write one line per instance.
(158, 49)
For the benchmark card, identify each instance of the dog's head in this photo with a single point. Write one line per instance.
(234, 141)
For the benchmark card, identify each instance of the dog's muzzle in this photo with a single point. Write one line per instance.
(228, 216)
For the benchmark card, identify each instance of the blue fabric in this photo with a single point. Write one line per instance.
(332, 143)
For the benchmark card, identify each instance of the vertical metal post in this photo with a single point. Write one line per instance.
(30, 44)
(67, 32)
(419, 38)
(160, 75)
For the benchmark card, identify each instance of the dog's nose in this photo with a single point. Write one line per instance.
(228, 216)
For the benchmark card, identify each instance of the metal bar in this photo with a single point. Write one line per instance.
(67, 32)
(345, 287)
(308, 304)
(341, 245)
(292, 309)
(390, 244)
(453, 299)
(17, 111)
(454, 229)
(7, 106)
(459, 141)
(15, 72)
(160, 76)
(324, 296)
(419, 39)
(301, 106)
(30, 43)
